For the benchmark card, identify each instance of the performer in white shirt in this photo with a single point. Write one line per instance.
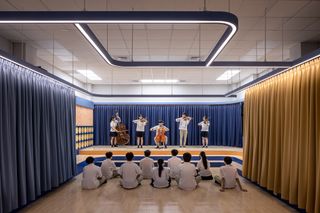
(113, 131)
(203, 167)
(108, 167)
(183, 121)
(173, 163)
(204, 131)
(229, 176)
(188, 177)
(130, 173)
(92, 177)
(146, 165)
(160, 176)
(141, 123)
(160, 137)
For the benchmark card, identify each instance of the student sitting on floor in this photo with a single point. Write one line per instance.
(130, 173)
(229, 176)
(108, 168)
(160, 176)
(92, 177)
(203, 167)
(187, 178)
(173, 163)
(146, 165)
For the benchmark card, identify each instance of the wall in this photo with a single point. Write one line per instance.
(84, 116)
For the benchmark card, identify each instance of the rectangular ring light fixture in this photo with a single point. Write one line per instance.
(82, 18)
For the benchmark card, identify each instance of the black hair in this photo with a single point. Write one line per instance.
(204, 159)
(89, 160)
(187, 157)
(112, 117)
(205, 117)
(147, 153)
(227, 160)
(109, 154)
(160, 165)
(129, 156)
(184, 113)
(161, 121)
(140, 115)
(174, 152)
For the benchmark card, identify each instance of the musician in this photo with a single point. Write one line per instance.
(141, 123)
(113, 131)
(160, 137)
(205, 123)
(117, 118)
(183, 121)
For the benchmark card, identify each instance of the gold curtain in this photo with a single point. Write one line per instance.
(282, 135)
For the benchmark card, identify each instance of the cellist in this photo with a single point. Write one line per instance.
(160, 137)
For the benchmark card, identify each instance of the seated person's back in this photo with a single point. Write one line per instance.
(230, 174)
(92, 177)
(130, 173)
(204, 167)
(108, 167)
(173, 163)
(160, 176)
(187, 173)
(146, 165)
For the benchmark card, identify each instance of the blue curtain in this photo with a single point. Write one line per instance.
(225, 129)
(37, 128)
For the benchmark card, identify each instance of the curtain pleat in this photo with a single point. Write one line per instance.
(225, 120)
(281, 135)
(37, 135)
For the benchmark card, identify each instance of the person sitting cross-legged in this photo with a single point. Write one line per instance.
(92, 177)
(130, 173)
(229, 176)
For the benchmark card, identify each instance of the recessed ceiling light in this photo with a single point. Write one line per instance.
(159, 81)
(227, 75)
(90, 75)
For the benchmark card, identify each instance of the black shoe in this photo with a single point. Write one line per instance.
(180, 146)
(203, 146)
(158, 147)
(111, 145)
(141, 147)
(138, 147)
(165, 146)
(115, 145)
(206, 146)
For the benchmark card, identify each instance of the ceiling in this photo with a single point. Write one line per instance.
(62, 47)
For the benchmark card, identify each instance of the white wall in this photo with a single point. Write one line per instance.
(160, 89)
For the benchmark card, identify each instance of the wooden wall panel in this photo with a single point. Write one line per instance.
(84, 116)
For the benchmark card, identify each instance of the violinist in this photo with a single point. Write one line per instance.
(141, 123)
(160, 137)
(204, 131)
(183, 121)
(113, 131)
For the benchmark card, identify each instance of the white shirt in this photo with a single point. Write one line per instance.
(202, 171)
(146, 165)
(163, 181)
(90, 176)
(173, 164)
(113, 125)
(183, 124)
(204, 126)
(229, 173)
(186, 176)
(155, 128)
(107, 168)
(129, 172)
(140, 125)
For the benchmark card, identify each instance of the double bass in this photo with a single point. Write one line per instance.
(123, 137)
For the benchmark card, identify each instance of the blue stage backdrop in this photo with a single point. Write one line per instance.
(225, 120)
